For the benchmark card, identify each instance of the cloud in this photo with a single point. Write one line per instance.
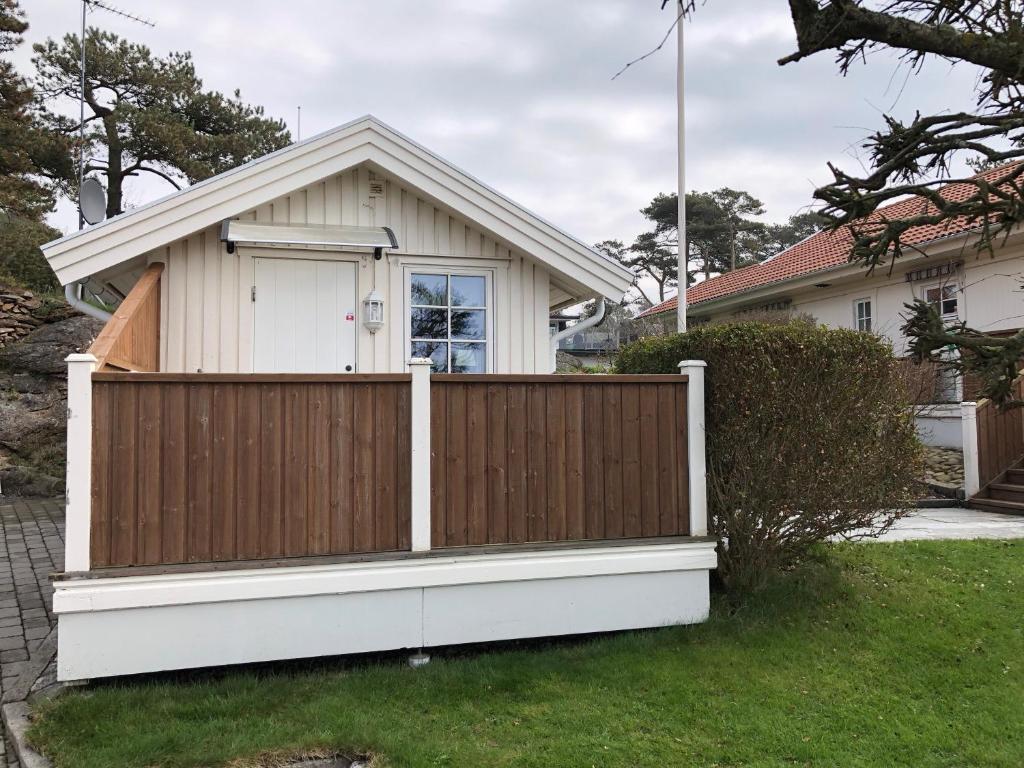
(519, 92)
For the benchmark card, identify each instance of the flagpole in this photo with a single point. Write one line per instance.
(681, 127)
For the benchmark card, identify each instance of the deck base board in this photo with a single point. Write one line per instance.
(161, 637)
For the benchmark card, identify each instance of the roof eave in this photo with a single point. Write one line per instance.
(73, 257)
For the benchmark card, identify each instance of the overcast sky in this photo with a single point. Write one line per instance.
(520, 94)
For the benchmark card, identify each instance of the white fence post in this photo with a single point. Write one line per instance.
(420, 423)
(79, 462)
(695, 443)
(969, 425)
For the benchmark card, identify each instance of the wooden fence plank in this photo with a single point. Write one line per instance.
(555, 467)
(124, 477)
(99, 539)
(575, 492)
(593, 456)
(296, 462)
(649, 501)
(248, 473)
(385, 471)
(476, 471)
(612, 467)
(403, 466)
(363, 528)
(456, 467)
(536, 463)
(318, 470)
(497, 464)
(225, 459)
(174, 467)
(518, 470)
(149, 486)
(438, 466)
(667, 465)
(632, 498)
(271, 506)
(682, 464)
(200, 476)
(342, 469)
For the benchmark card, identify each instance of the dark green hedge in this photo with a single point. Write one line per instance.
(809, 436)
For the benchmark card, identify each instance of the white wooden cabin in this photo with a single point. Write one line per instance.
(322, 420)
(284, 294)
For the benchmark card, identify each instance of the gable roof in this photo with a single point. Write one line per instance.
(826, 250)
(81, 254)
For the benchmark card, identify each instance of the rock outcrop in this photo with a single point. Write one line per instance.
(35, 337)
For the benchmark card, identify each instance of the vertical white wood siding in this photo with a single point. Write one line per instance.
(207, 308)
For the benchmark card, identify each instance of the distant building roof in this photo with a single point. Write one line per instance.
(827, 249)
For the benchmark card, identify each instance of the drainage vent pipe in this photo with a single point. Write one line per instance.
(582, 325)
(73, 293)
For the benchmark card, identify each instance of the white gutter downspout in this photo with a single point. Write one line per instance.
(73, 293)
(582, 325)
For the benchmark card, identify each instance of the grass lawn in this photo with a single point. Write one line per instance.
(886, 654)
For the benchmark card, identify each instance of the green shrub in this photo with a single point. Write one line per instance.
(21, 261)
(809, 437)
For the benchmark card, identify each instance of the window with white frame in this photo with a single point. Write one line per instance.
(448, 320)
(943, 298)
(862, 314)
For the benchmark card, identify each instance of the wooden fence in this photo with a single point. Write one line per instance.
(208, 467)
(1000, 436)
(130, 341)
(553, 458)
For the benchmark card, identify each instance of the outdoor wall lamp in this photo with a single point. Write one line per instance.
(373, 311)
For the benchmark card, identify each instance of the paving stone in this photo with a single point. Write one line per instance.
(31, 550)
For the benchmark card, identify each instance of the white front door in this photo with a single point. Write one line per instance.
(305, 316)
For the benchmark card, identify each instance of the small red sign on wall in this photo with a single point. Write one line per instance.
(350, 316)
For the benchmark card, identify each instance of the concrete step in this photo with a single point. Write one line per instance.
(1006, 492)
(995, 505)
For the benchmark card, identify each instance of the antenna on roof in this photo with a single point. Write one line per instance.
(298, 123)
(86, 4)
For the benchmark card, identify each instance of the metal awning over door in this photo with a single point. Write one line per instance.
(236, 232)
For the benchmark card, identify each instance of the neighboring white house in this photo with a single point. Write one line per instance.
(267, 266)
(941, 265)
(261, 465)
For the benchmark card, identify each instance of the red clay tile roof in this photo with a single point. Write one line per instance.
(825, 250)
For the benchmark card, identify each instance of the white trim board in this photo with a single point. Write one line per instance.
(367, 140)
(181, 636)
(78, 595)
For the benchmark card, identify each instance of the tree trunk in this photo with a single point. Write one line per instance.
(115, 175)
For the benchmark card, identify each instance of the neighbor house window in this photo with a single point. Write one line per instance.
(862, 314)
(943, 298)
(448, 320)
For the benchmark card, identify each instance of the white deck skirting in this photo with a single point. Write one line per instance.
(134, 624)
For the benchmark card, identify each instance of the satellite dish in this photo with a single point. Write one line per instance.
(92, 200)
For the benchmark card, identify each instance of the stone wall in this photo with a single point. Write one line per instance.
(36, 334)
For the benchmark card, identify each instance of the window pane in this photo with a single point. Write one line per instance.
(469, 291)
(430, 289)
(469, 358)
(949, 307)
(931, 295)
(468, 324)
(429, 324)
(437, 351)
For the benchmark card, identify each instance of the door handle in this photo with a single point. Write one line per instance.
(348, 369)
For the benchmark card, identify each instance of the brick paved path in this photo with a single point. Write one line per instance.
(31, 548)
